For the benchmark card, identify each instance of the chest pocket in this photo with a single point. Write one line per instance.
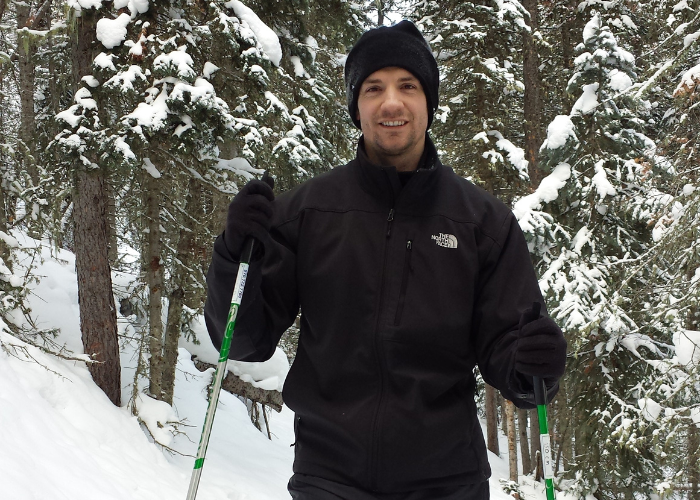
(436, 291)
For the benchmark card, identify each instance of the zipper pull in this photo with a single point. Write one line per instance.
(409, 245)
(390, 219)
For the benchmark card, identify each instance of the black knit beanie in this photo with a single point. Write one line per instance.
(401, 45)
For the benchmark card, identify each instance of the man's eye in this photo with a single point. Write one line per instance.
(371, 89)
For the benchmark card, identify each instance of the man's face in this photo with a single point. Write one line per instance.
(393, 112)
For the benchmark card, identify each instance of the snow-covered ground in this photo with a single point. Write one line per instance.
(61, 438)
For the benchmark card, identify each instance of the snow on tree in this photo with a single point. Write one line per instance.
(481, 86)
(587, 218)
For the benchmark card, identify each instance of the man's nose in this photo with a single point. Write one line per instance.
(392, 100)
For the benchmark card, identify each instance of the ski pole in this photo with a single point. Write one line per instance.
(541, 401)
(220, 371)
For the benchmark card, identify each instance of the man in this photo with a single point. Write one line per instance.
(407, 276)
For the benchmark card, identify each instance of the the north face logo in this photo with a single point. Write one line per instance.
(445, 240)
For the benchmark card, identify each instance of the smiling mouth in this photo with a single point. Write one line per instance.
(394, 123)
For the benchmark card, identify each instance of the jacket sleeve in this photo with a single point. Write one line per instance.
(507, 287)
(269, 305)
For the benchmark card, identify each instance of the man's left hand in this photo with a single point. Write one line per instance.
(541, 349)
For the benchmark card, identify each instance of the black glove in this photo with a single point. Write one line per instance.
(249, 214)
(541, 347)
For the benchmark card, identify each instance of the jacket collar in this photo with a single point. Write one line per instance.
(383, 182)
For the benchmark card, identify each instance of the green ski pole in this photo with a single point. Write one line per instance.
(546, 446)
(220, 371)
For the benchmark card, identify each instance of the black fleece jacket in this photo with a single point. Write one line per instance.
(403, 290)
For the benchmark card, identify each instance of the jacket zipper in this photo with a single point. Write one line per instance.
(380, 362)
(404, 282)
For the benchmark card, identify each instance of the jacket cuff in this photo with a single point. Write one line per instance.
(523, 390)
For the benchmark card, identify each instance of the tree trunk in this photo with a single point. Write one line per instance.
(504, 421)
(512, 444)
(4, 248)
(112, 224)
(491, 402)
(98, 318)
(694, 461)
(524, 445)
(533, 102)
(179, 285)
(154, 280)
(27, 124)
(536, 445)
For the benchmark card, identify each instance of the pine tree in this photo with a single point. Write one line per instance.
(594, 221)
(481, 91)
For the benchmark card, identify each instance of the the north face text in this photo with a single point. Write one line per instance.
(445, 240)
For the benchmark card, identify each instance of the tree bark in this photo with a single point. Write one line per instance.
(694, 461)
(533, 102)
(4, 248)
(179, 285)
(112, 224)
(154, 280)
(491, 399)
(512, 444)
(98, 318)
(524, 445)
(235, 385)
(27, 123)
(536, 446)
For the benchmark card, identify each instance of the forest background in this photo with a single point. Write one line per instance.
(127, 126)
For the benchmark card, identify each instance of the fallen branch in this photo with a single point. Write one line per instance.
(236, 386)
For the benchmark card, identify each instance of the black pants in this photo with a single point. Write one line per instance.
(314, 488)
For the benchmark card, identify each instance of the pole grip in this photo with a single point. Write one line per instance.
(540, 391)
(249, 243)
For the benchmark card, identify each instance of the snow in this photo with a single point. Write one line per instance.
(683, 4)
(689, 79)
(619, 80)
(149, 167)
(601, 182)
(9, 240)
(112, 32)
(105, 61)
(516, 155)
(79, 5)
(179, 60)
(63, 439)
(268, 39)
(650, 409)
(546, 192)
(687, 345)
(592, 28)
(298, 67)
(136, 7)
(209, 69)
(90, 81)
(312, 47)
(588, 100)
(558, 132)
(688, 39)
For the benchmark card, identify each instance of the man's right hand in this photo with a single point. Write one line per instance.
(249, 214)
